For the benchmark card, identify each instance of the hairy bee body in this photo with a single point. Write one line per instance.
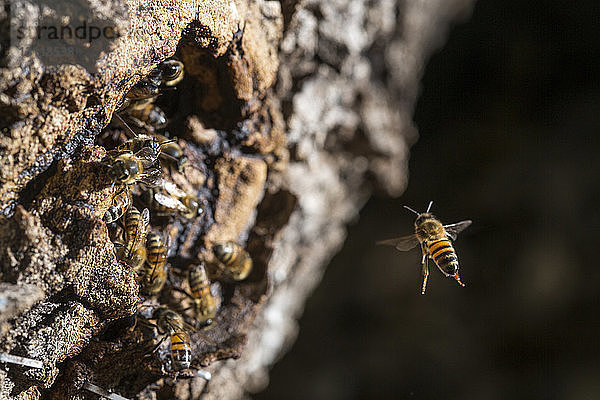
(154, 271)
(135, 161)
(120, 203)
(236, 261)
(148, 114)
(138, 104)
(205, 303)
(172, 324)
(432, 235)
(133, 252)
(181, 350)
(435, 240)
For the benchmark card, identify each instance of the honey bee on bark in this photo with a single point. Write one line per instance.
(120, 203)
(204, 303)
(171, 152)
(168, 199)
(138, 104)
(133, 251)
(128, 167)
(171, 325)
(235, 261)
(434, 239)
(154, 271)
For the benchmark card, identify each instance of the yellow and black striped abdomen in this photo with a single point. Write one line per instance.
(181, 351)
(443, 254)
(157, 251)
(199, 283)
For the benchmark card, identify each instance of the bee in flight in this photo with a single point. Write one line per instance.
(434, 239)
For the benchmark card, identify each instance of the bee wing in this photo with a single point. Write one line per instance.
(144, 223)
(403, 243)
(191, 329)
(147, 155)
(169, 202)
(453, 230)
(173, 189)
(151, 177)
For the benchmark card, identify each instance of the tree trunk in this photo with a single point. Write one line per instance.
(291, 114)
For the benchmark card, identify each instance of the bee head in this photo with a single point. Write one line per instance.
(125, 167)
(222, 249)
(172, 72)
(423, 217)
(192, 204)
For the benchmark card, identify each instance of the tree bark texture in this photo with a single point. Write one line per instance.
(291, 115)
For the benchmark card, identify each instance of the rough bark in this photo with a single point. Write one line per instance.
(291, 115)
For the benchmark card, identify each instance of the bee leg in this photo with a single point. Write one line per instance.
(458, 280)
(158, 345)
(183, 291)
(425, 274)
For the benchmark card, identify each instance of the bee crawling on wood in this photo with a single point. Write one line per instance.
(133, 251)
(434, 239)
(171, 325)
(135, 162)
(139, 105)
(154, 270)
(120, 203)
(235, 261)
(204, 303)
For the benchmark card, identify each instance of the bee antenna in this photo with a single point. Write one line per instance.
(429, 206)
(126, 125)
(410, 209)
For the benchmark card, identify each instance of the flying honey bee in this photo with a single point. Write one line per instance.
(171, 325)
(236, 261)
(435, 243)
(169, 199)
(154, 271)
(133, 252)
(120, 203)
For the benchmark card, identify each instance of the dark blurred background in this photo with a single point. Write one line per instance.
(509, 117)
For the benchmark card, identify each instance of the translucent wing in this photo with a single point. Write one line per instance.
(145, 220)
(190, 329)
(454, 229)
(169, 202)
(148, 155)
(173, 189)
(151, 177)
(403, 243)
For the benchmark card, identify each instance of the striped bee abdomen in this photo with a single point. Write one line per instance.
(181, 351)
(443, 254)
(199, 283)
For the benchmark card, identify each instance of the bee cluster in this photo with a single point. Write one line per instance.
(142, 161)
